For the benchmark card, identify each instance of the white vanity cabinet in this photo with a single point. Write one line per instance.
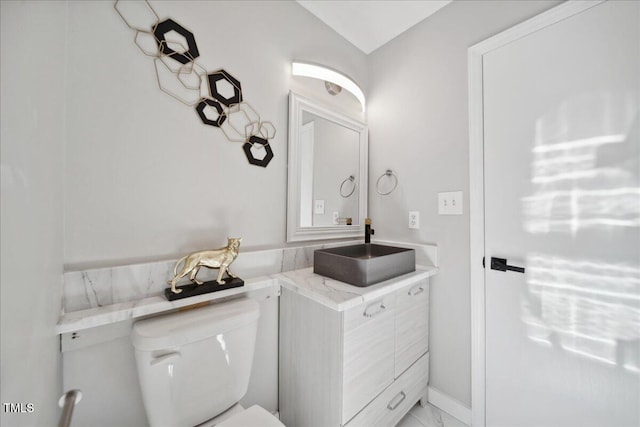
(412, 325)
(368, 353)
(354, 363)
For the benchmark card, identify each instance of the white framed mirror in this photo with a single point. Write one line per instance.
(328, 176)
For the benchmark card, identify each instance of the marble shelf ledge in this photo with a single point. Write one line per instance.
(341, 296)
(92, 317)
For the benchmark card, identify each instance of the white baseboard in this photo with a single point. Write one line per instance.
(448, 404)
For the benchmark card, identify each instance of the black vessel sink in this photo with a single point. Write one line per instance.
(364, 264)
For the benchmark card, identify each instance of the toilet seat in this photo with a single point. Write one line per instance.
(255, 416)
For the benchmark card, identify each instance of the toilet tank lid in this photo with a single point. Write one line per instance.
(184, 327)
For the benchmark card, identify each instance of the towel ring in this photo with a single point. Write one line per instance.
(388, 173)
(353, 186)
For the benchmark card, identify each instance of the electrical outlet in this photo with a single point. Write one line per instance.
(450, 203)
(336, 215)
(318, 207)
(414, 219)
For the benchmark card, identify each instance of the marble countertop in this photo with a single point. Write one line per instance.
(341, 296)
(112, 313)
(99, 297)
(332, 293)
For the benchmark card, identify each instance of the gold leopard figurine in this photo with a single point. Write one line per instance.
(215, 258)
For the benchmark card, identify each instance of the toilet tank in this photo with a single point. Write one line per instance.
(195, 364)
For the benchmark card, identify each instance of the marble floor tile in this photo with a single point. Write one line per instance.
(429, 416)
(410, 420)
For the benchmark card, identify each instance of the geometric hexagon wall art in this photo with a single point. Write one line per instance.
(205, 106)
(137, 15)
(168, 25)
(217, 81)
(242, 122)
(146, 42)
(268, 155)
(217, 95)
(173, 86)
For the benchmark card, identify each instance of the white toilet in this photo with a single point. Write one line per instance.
(194, 366)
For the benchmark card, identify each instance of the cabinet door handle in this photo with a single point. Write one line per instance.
(415, 291)
(380, 306)
(396, 401)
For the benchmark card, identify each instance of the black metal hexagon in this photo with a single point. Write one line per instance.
(215, 77)
(168, 25)
(205, 103)
(247, 151)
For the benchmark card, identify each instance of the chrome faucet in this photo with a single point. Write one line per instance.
(368, 231)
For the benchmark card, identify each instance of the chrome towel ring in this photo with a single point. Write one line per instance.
(343, 192)
(389, 173)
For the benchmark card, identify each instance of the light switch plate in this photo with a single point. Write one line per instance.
(318, 207)
(450, 203)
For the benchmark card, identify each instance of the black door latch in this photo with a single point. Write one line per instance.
(500, 264)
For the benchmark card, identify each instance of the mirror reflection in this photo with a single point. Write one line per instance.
(329, 154)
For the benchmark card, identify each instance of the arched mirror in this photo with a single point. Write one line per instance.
(327, 182)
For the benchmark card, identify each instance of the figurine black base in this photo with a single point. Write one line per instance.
(192, 289)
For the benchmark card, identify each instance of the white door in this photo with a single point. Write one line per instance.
(562, 201)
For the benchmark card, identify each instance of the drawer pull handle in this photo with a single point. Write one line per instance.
(415, 291)
(380, 306)
(396, 401)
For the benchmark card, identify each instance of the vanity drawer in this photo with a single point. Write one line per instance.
(412, 325)
(394, 403)
(368, 354)
(368, 312)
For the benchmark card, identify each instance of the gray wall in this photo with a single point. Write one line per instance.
(145, 179)
(418, 127)
(99, 167)
(32, 153)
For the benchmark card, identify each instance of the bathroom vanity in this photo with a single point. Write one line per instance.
(352, 356)
(318, 314)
